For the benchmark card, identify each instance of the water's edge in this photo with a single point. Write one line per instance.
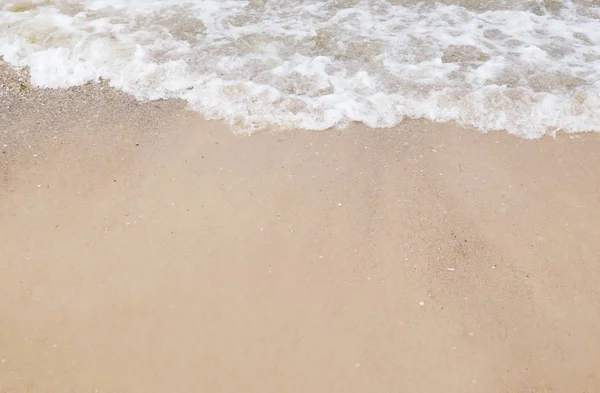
(530, 69)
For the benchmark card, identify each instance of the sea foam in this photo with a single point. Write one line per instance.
(530, 68)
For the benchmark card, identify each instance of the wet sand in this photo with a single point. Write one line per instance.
(144, 249)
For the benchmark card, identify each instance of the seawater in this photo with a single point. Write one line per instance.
(527, 67)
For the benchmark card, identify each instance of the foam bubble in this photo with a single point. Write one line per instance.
(522, 67)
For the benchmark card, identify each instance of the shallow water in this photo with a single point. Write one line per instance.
(527, 67)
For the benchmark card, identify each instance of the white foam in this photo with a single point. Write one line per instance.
(315, 65)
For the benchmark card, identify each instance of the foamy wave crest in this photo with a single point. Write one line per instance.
(530, 68)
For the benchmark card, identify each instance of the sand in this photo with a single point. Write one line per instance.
(145, 249)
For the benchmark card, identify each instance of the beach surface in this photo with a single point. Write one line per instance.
(145, 249)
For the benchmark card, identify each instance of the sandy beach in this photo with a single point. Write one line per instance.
(145, 249)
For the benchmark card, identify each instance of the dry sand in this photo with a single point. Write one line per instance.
(143, 249)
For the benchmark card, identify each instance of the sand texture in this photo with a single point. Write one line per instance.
(144, 249)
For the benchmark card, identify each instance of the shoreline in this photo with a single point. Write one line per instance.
(146, 249)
